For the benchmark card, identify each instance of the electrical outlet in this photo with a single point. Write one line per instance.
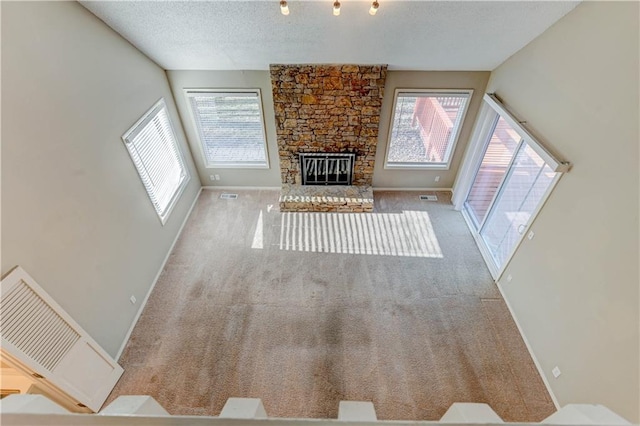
(217, 177)
(531, 235)
(509, 278)
(212, 177)
(437, 179)
(556, 372)
(133, 300)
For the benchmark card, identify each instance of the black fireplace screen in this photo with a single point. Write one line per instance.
(326, 168)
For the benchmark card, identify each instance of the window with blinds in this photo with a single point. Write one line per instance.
(152, 144)
(230, 127)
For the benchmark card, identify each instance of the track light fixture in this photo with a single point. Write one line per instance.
(374, 7)
(284, 8)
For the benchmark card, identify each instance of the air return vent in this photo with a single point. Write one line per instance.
(428, 198)
(228, 196)
(29, 323)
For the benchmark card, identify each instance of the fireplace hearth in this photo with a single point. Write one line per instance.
(326, 168)
(330, 198)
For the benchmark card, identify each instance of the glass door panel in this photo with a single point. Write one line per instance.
(524, 187)
(495, 164)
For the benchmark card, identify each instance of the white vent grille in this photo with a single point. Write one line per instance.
(32, 326)
(429, 198)
(229, 196)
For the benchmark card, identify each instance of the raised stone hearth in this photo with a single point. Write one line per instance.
(299, 198)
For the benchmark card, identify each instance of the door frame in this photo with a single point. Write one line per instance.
(491, 110)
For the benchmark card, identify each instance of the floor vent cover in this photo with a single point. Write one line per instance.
(228, 196)
(429, 197)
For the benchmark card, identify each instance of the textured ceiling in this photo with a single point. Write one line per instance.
(407, 35)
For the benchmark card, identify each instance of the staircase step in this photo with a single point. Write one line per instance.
(243, 408)
(357, 411)
(140, 405)
(470, 412)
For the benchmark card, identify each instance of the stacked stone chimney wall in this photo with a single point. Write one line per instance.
(327, 108)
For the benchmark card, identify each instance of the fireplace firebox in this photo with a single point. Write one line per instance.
(321, 168)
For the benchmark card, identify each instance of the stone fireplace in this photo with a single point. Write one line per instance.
(328, 109)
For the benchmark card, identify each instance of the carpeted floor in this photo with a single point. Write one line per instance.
(306, 310)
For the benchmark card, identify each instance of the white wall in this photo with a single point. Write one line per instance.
(181, 80)
(394, 178)
(575, 285)
(75, 214)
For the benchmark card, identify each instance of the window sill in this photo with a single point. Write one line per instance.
(176, 197)
(409, 166)
(237, 166)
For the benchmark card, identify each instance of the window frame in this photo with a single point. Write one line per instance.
(454, 139)
(189, 92)
(134, 131)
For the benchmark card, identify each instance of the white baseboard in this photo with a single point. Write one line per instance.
(496, 277)
(155, 280)
(526, 342)
(412, 189)
(236, 188)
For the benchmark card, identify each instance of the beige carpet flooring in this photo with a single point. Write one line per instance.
(306, 310)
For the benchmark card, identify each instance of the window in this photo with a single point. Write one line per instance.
(425, 127)
(230, 127)
(153, 148)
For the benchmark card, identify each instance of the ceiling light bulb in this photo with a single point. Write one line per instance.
(284, 8)
(374, 8)
(336, 8)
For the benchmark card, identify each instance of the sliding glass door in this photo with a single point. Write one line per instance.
(524, 187)
(497, 158)
(514, 175)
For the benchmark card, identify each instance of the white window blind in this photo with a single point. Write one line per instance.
(230, 127)
(152, 145)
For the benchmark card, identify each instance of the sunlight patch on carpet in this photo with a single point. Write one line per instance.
(409, 233)
(258, 236)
